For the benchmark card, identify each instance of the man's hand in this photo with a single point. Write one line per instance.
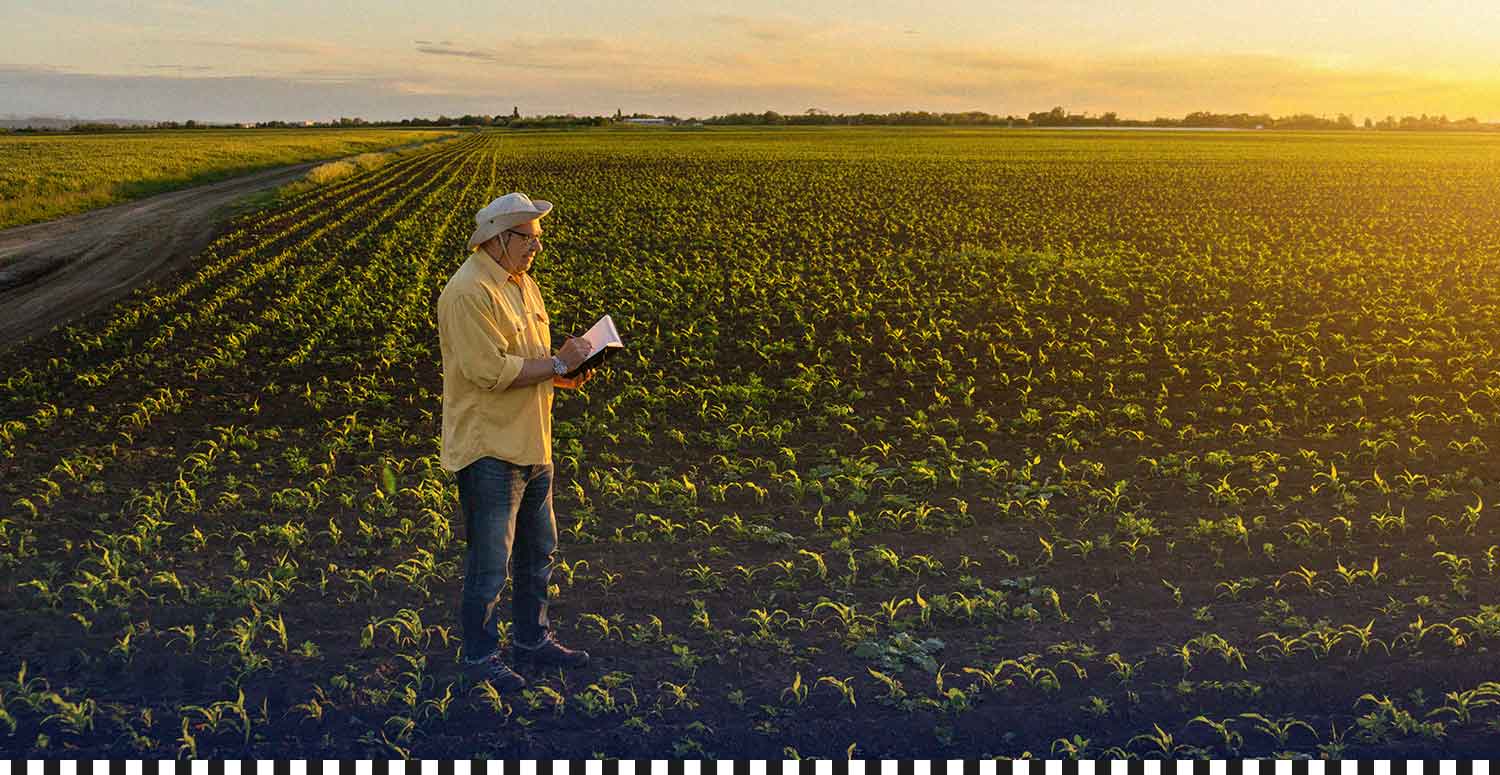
(574, 352)
(573, 383)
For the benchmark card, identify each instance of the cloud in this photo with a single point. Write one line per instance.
(883, 77)
(24, 69)
(175, 8)
(333, 75)
(47, 91)
(1174, 84)
(293, 47)
(483, 56)
(180, 68)
(570, 57)
(770, 30)
(424, 88)
(843, 72)
(986, 61)
(879, 75)
(789, 33)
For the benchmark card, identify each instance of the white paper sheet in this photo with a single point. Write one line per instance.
(602, 335)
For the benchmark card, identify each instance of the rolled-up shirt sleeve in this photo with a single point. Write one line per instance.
(477, 344)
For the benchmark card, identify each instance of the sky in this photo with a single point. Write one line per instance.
(257, 60)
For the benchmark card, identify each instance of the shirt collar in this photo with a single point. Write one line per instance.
(498, 273)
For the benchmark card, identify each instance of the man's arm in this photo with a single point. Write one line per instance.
(533, 371)
(536, 370)
(477, 343)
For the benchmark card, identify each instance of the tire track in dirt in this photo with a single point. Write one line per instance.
(123, 330)
(59, 271)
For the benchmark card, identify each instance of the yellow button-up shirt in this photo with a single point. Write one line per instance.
(489, 321)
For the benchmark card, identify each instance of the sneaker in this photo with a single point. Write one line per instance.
(550, 652)
(494, 670)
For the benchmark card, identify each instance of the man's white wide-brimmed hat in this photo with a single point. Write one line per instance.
(504, 212)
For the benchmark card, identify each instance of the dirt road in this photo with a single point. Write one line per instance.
(56, 272)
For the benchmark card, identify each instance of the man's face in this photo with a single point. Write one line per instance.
(520, 244)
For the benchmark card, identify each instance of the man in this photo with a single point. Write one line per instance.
(498, 376)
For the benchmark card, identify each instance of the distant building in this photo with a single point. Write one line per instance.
(647, 121)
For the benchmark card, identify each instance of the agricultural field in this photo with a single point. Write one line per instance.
(929, 443)
(48, 176)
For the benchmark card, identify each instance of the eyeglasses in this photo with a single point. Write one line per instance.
(524, 235)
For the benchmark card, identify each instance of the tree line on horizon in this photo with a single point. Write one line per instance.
(1059, 117)
(1056, 117)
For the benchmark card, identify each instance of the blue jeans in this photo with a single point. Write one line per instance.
(507, 518)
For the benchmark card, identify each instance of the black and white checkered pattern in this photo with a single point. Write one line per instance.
(745, 767)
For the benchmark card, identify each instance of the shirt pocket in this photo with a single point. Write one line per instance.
(515, 336)
(542, 329)
(511, 325)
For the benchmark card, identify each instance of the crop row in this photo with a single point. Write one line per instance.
(1113, 443)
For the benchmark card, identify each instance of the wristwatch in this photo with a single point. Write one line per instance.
(558, 367)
